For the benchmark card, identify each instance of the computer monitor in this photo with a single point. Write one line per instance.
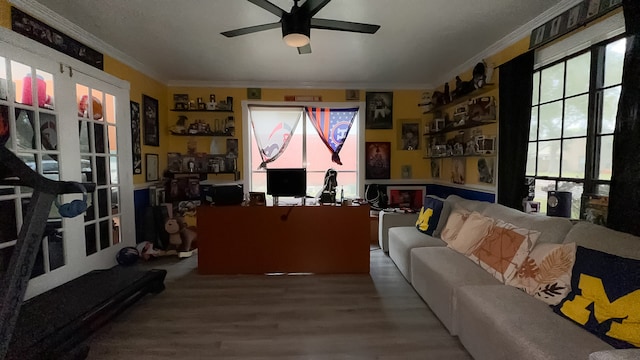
(287, 182)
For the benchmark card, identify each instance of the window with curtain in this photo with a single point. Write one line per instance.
(270, 126)
(573, 115)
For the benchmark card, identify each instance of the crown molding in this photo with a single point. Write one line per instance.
(55, 20)
(510, 39)
(299, 85)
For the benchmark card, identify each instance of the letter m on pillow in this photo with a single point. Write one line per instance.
(605, 297)
(622, 315)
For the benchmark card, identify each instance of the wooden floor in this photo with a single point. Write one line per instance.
(376, 316)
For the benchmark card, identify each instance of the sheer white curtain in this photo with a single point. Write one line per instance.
(273, 130)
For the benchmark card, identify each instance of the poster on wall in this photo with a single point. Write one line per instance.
(458, 170)
(379, 110)
(135, 137)
(378, 160)
(150, 118)
(486, 170)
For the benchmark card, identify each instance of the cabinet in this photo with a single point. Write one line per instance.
(191, 122)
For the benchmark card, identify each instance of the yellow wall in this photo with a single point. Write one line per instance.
(404, 107)
(142, 84)
(5, 14)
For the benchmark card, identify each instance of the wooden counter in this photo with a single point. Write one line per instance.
(261, 239)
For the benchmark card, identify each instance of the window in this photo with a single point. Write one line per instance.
(573, 115)
(305, 149)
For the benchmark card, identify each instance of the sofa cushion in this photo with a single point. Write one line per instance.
(605, 297)
(503, 249)
(430, 215)
(591, 236)
(454, 223)
(552, 229)
(436, 273)
(546, 272)
(402, 240)
(474, 229)
(503, 323)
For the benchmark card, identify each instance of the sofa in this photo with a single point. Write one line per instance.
(498, 317)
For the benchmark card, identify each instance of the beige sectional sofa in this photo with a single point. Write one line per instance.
(494, 320)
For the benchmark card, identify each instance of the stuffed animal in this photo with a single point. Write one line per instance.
(188, 235)
(173, 228)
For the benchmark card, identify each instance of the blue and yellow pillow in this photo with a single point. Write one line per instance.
(605, 297)
(432, 209)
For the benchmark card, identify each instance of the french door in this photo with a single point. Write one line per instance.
(67, 122)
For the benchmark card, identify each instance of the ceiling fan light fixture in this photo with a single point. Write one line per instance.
(296, 29)
(296, 40)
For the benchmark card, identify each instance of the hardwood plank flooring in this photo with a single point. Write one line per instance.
(375, 316)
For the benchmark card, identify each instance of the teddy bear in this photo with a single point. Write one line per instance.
(172, 226)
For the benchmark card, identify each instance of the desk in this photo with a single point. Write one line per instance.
(264, 239)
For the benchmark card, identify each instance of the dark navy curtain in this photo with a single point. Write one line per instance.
(516, 87)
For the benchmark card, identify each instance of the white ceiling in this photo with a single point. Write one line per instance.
(421, 43)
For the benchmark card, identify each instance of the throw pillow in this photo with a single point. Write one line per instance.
(504, 249)
(546, 272)
(605, 297)
(454, 222)
(429, 215)
(474, 229)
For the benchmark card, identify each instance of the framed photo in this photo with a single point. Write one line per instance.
(409, 135)
(378, 160)
(232, 146)
(180, 101)
(136, 148)
(410, 197)
(152, 167)
(150, 119)
(486, 170)
(458, 170)
(352, 95)
(405, 172)
(254, 93)
(257, 199)
(435, 168)
(379, 110)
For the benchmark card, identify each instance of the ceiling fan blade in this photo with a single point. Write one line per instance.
(251, 29)
(344, 26)
(304, 49)
(312, 7)
(275, 10)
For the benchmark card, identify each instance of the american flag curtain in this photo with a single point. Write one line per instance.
(273, 129)
(333, 126)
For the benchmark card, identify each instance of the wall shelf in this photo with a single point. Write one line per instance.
(203, 174)
(474, 94)
(459, 156)
(212, 134)
(201, 110)
(468, 125)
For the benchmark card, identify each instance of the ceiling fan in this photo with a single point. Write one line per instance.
(297, 24)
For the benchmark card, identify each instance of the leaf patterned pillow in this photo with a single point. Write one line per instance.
(546, 272)
(503, 250)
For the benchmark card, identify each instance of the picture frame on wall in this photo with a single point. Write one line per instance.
(152, 163)
(410, 197)
(151, 121)
(136, 148)
(379, 110)
(409, 135)
(378, 160)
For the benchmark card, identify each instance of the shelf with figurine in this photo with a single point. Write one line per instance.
(476, 112)
(464, 91)
(182, 103)
(221, 127)
(464, 144)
